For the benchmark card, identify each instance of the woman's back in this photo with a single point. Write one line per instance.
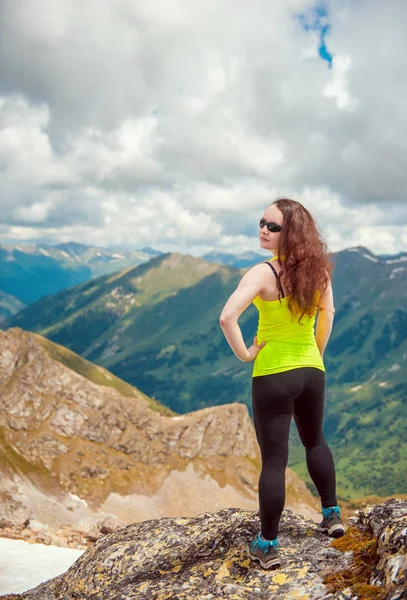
(289, 343)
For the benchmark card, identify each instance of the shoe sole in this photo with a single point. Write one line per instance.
(269, 565)
(336, 531)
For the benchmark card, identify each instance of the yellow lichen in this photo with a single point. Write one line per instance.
(280, 578)
(181, 521)
(223, 571)
(176, 568)
(302, 571)
(297, 595)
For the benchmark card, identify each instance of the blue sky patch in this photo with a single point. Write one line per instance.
(316, 19)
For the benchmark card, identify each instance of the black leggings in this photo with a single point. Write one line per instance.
(276, 398)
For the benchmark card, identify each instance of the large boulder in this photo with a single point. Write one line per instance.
(206, 557)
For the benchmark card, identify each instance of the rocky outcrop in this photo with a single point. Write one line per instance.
(206, 557)
(79, 529)
(387, 526)
(61, 434)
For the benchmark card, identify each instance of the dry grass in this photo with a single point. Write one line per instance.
(357, 576)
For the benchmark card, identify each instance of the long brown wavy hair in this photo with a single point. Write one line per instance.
(307, 266)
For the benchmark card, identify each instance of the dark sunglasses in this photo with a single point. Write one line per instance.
(273, 227)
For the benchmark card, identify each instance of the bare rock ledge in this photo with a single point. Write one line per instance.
(206, 557)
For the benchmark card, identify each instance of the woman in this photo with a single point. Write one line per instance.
(288, 378)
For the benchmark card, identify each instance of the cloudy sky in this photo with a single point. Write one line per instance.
(174, 123)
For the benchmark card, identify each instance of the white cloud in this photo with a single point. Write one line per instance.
(174, 125)
(26, 154)
(338, 86)
(37, 212)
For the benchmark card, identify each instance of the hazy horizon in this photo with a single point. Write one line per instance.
(260, 251)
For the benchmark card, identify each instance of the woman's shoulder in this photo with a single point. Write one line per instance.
(255, 272)
(260, 268)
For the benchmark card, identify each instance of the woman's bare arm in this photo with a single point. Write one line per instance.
(249, 287)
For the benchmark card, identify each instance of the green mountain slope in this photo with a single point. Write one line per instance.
(9, 305)
(156, 327)
(365, 428)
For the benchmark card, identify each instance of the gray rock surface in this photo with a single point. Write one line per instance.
(388, 523)
(206, 557)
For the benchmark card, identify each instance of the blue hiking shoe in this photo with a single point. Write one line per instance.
(265, 552)
(332, 523)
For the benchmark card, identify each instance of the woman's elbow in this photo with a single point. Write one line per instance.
(222, 320)
(225, 318)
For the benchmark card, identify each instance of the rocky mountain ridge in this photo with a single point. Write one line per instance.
(61, 434)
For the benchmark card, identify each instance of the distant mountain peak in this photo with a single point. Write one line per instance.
(149, 250)
(360, 249)
(75, 246)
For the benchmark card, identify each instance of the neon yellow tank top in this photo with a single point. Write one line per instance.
(289, 344)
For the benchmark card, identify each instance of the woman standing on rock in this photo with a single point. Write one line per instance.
(288, 376)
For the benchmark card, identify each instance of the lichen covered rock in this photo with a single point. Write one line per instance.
(206, 557)
(388, 523)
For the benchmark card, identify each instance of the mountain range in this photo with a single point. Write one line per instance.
(31, 272)
(156, 327)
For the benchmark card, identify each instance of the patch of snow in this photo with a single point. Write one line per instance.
(65, 254)
(394, 367)
(44, 252)
(23, 566)
(391, 261)
(118, 256)
(382, 383)
(372, 258)
(395, 271)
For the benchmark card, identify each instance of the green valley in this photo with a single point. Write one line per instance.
(156, 326)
